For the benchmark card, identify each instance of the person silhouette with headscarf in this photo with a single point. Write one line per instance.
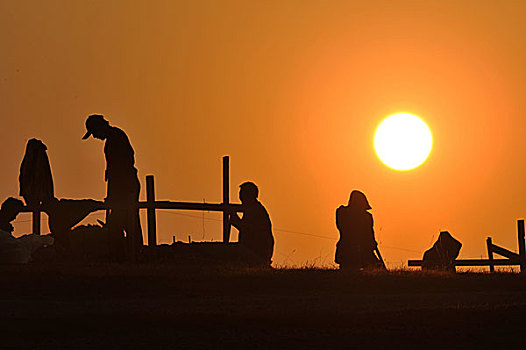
(356, 247)
(36, 180)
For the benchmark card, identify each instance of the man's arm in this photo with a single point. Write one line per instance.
(339, 213)
(373, 238)
(236, 221)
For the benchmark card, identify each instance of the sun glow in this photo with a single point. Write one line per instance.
(403, 141)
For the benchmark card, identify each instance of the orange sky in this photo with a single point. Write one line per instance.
(293, 92)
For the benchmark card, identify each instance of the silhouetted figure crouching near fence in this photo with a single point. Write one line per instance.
(255, 228)
(356, 248)
(123, 186)
(443, 253)
(17, 250)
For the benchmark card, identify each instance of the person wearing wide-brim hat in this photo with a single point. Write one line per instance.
(356, 248)
(123, 185)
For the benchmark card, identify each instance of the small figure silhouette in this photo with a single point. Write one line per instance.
(123, 185)
(9, 210)
(17, 250)
(255, 228)
(36, 180)
(357, 245)
(443, 253)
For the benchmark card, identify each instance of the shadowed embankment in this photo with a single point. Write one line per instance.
(154, 305)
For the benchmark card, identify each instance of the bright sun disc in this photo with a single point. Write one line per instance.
(403, 141)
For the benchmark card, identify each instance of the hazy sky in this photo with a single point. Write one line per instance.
(293, 92)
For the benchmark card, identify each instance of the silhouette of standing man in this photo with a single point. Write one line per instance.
(123, 186)
(255, 228)
(356, 247)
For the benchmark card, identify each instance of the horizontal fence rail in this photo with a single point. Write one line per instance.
(474, 262)
(151, 205)
(512, 258)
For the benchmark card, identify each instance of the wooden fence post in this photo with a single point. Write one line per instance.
(150, 211)
(489, 244)
(522, 253)
(36, 221)
(226, 198)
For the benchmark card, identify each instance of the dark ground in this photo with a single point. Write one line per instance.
(155, 306)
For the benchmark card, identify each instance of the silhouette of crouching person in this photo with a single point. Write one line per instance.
(443, 253)
(17, 250)
(357, 244)
(255, 228)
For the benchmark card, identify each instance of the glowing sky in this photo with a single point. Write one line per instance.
(293, 92)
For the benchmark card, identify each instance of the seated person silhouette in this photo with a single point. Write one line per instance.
(255, 228)
(356, 247)
(443, 253)
(17, 250)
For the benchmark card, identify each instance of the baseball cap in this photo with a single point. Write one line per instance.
(91, 122)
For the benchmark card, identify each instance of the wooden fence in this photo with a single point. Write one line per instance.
(511, 258)
(151, 205)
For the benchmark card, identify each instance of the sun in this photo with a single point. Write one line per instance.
(403, 141)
